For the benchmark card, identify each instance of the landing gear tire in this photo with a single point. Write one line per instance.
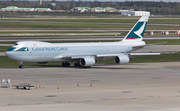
(21, 66)
(66, 64)
(77, 65)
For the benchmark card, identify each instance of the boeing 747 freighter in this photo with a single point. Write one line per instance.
(84, 54)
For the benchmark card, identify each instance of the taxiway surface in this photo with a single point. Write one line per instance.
(131, 87)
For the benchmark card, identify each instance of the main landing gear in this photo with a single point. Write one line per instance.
(77, 65)
(21, 64)
(65, 64)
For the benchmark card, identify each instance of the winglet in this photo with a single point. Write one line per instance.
(137, 32)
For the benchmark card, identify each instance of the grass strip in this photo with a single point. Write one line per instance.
(4, 48)
(15, 25)
(101, 20)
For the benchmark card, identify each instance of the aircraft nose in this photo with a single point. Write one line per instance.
(9, 54)
(12, 55)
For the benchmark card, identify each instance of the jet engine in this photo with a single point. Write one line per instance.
(122, 59)
(87, 61)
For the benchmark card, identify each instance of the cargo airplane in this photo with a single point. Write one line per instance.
(83, 54)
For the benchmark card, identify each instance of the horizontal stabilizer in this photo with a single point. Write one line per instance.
(134, 54)
(156, 43)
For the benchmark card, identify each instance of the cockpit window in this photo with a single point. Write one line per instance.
(18, 49)
(16, 44)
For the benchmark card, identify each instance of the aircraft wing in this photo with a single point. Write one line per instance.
(133, 54)
(104, 55)
(73, 56)
(85, 55)
(110, 55)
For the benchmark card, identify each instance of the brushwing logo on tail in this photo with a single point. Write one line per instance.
(137, 32)
(140, 31)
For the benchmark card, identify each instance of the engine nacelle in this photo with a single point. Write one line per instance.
(87, 61)
(122, 59)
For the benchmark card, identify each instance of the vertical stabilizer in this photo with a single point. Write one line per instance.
(137, 32)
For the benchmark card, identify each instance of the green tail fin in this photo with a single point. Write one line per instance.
(137, 32)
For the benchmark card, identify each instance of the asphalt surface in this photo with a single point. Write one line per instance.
(131, 87)
(2, 53)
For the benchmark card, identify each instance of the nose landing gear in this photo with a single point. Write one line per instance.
(21, 64)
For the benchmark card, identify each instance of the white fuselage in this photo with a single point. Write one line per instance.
(33, 51)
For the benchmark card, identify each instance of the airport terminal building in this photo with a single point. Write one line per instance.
(135, 13)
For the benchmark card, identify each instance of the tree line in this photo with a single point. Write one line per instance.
(162, 8)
